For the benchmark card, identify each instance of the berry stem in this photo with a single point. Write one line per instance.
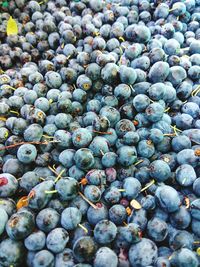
(148, 185)
(84, 229)
(51, 191)
(59, 176)
(24, 143)
(102, 132)
(87, 200)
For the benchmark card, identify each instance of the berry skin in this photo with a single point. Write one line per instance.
(81, 138)
(17, 255)
(70, 218)
(57, 240)
(3, 220)
(104, 232)
(45, 256)
(105, 257)
(84, 249)
(159, 170)
(8, 185)
(147, 247)
(47, 219)
(157, 229)
(38, 198)
(84, 158)
(168, 198)
(67, 188)
(27, 153)
(20, 225)
(35, 241)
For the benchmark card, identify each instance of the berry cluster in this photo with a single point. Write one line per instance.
(100, 133)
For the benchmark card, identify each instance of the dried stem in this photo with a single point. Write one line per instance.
(102, 132)
(87, 200)
(32, 143)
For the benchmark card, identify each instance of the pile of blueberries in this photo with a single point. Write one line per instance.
(100, 133)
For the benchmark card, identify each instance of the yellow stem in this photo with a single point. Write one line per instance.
(51, 191)
(85, 229)
(50, 168)
(138, 162)
(148, 185)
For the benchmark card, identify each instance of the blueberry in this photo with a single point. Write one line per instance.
(145, 148)
(65, 258)
(57, 240)
(182, 239)
(39, 197)
(126, 155)
(70, 218)
(43, 258)
(35, 241)
(81, 138)
(109, 159)
(183, 257)
(196, 187)
(110, 73)
(159, 170)
(67, 188)
(187, 156)
(84, 249)
(20, 225)
(93, 193)
(13, 166)
(8, 185)
(84, 158)
(132, 187)
(167, 198)
(183, 172)
(157, 229)
(176, 75)
(180, 142)
(8, 205)
(128, 76)
(117, 214)
(159, 72)
(64, 139)
(105, 257)
(191, 109)
(4, 219)
(96, 215)
(154, 112)
(162, 261)
(144, 247)
(12, 252)
(141, 102)
(47, 219)
(105, 232)
(138, 33)
(156, 135)
(27, 153)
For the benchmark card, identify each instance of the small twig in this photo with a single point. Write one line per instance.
(102, 132)
(31, 143)
(83, 227)
(148, 185)
(169, 134)
(138, 162)
(87, 200)
(51, 191)
(50, 168)
(59, 176)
